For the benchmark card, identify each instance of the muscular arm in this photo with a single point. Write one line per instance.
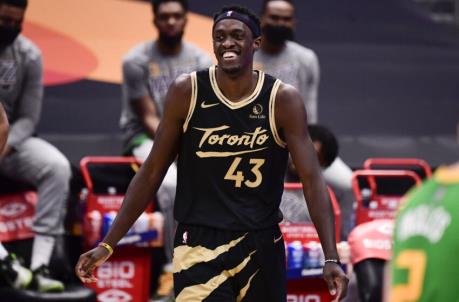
(3, 128)
(292, 122)
(147, 181)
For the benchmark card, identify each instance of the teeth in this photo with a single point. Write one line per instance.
(229, 55)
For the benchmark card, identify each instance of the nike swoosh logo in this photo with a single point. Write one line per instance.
(277, 239)
(204, 105)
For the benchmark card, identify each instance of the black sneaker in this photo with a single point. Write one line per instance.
(14, 274)
(42, 281)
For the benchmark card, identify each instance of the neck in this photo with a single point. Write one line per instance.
(270, 48)
(237, 86)
(168, 50)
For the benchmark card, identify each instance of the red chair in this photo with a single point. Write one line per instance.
(377, 163)
(311, 286)
(334, 202)
(382, 162)
(126, 275)
(374, 205)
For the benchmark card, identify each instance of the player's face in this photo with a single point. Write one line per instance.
(234, 45)
(11, 18)
(170, 19)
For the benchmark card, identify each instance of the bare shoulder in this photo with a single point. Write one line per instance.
(179, 95)
(288, 101)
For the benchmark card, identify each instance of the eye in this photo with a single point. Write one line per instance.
(163, 17)
(219, 37)
(238, 35)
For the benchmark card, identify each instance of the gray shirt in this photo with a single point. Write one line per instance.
(21, 88)
(293, 207)
(295, 65)
(147, 72)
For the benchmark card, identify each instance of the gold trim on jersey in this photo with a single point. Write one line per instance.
(244, 290)
(194, 94)
(272, 115)
(187, 256)
(201, 291)
(225, 100)
(203, 154)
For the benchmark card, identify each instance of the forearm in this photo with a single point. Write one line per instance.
(20, 130)
(321, 213)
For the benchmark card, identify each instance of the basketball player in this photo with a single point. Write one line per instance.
(425, 241)
(230, 127)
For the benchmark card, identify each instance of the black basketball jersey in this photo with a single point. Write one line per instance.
(231, 160)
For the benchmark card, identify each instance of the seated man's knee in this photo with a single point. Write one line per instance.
(59, 170)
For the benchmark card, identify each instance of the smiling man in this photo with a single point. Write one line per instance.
(231, 163)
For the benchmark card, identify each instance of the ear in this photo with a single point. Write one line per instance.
(318, 147)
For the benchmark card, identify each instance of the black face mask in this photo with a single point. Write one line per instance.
(277, 34)
(8, 35)
(171, 41)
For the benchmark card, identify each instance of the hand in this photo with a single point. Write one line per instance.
(89, 261)
(336, 280)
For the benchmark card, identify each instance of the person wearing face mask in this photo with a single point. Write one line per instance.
(148, 70)
(26, 157)
(298, 66)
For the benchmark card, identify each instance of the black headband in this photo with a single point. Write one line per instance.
(231, 14)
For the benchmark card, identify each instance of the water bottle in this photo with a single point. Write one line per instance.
(314, 250)
(295, 255)
(93, 227)
(107, 222)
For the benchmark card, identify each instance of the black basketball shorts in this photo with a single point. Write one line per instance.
(214, 265)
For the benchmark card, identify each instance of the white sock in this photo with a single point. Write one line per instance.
(3, 252)
(41, 251)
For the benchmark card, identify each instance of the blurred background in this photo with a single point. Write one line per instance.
(389, 71)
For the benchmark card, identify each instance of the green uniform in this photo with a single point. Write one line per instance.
(426, 242)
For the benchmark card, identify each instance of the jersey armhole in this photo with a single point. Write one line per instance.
(194, 94)
(272, 115)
